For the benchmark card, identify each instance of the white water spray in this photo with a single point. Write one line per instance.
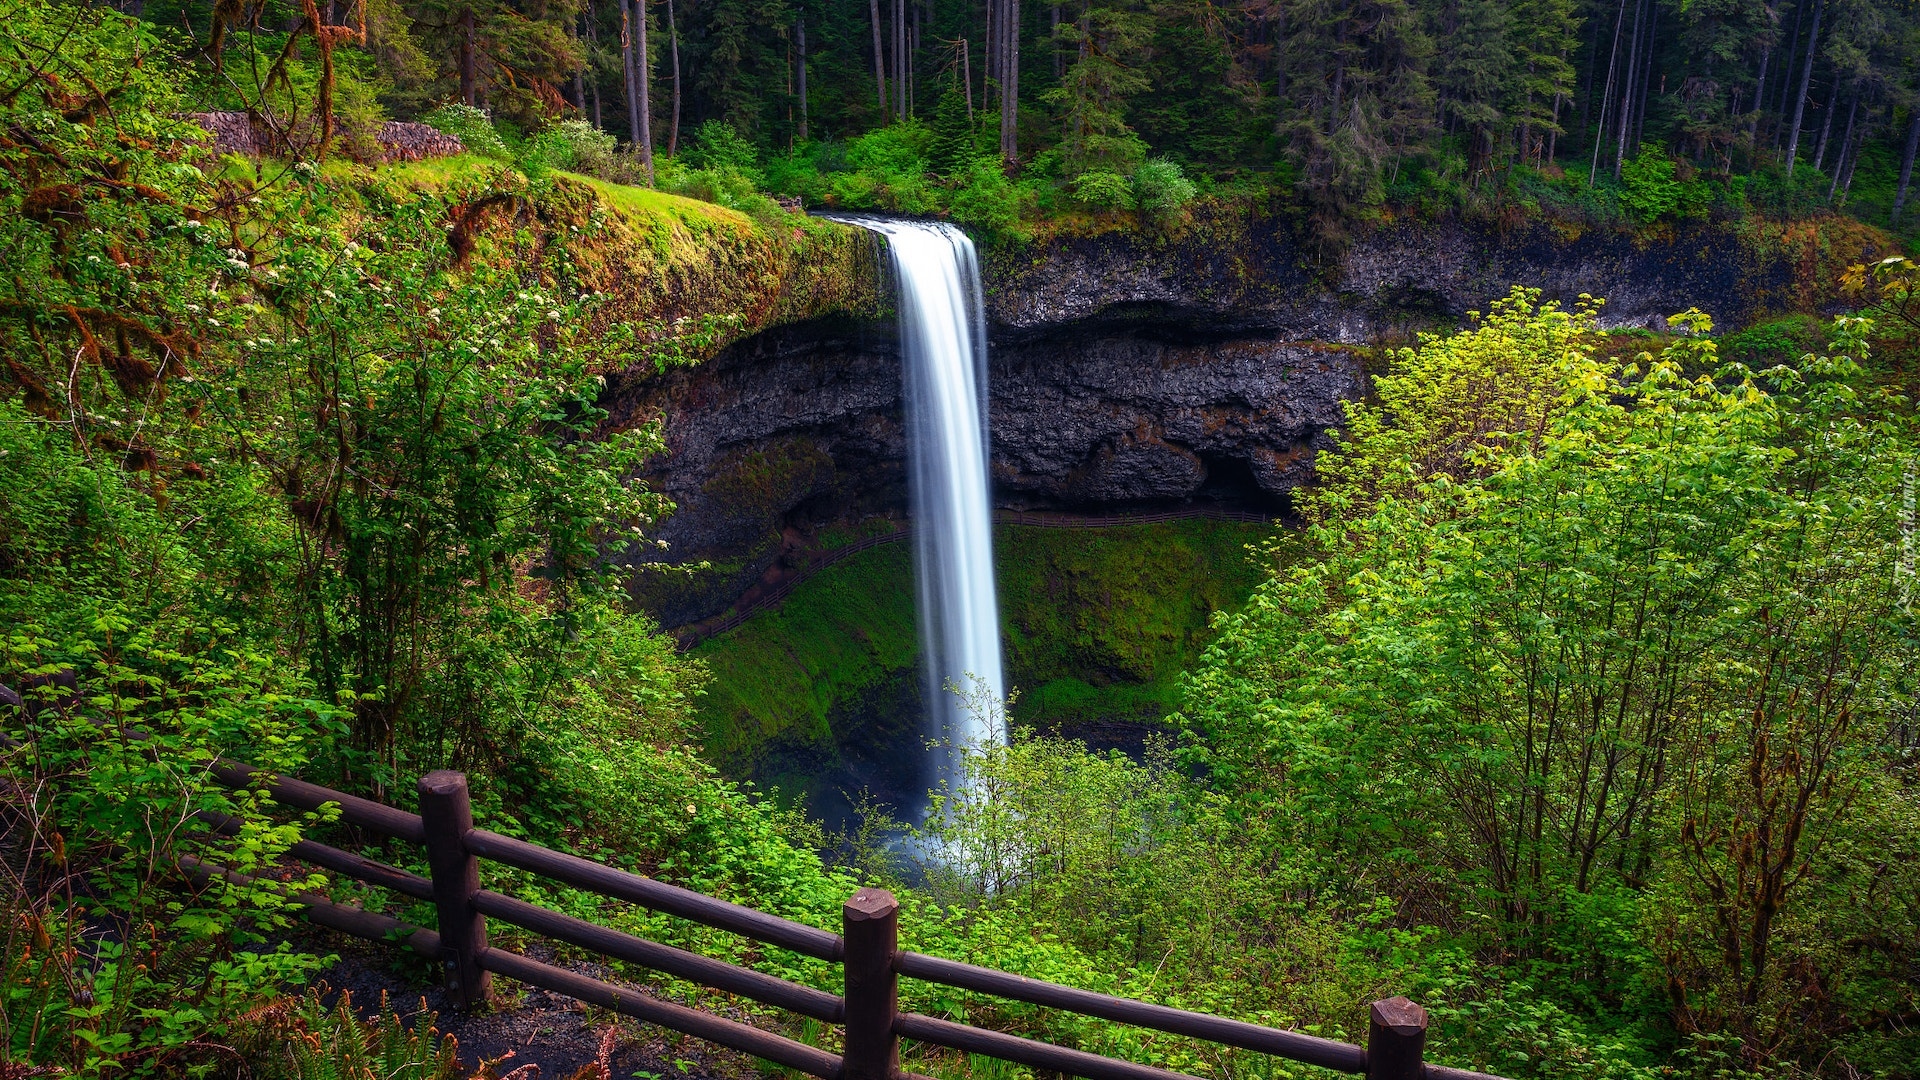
(943, 346)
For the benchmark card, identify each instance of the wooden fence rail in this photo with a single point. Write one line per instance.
(867, 948)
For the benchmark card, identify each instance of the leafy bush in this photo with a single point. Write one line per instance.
(1161, 189)
(1101, 189)
(473, 127)
(719, 147)
(587, 148)
(1651, 188)
(985, 199)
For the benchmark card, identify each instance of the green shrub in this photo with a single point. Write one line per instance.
(473, 127)
(1101, 189)
(1160, 188)
(798, 174)
(985, 199)
(1652, 189)
(896, 150)
(718, 146)
(586, 148)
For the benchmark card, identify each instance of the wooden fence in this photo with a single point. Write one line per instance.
(694, 633)
(867, 948)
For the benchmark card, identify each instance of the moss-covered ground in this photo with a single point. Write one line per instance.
(1098, 626)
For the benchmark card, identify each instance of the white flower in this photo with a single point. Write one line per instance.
(554, 316)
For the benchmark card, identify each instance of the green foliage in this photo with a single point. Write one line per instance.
(586, 148)
(1708, 560)
(102, 584)
(302, 1039)
(294, 471)
(985, 200)
(1101, 189)
(719, 147)
(955, 144)
(1161, 189)
(1446, 402)
(473, 127)
(1652, 191)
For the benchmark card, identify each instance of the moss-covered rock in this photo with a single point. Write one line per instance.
(1098, 624)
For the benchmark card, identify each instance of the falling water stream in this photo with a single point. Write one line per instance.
(943, 347)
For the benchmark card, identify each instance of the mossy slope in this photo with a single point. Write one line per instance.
(683, 278)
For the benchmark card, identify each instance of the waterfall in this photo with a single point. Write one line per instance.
(943, 348)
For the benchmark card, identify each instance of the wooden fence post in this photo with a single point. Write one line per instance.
(1396, 1040)
(447, 813)
(870, 927)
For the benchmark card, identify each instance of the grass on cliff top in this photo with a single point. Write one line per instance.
(1098, 626)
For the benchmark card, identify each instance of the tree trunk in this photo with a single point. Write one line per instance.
(989, 48)
(1553, 133)
(1786, 78)
(1759, 94)
(673, 40)
(1606, 95)
(1625, 121)
(632, 74)
(1009, 81)
(1646, 76)
(966, 83)
(1053, 36)
(1849, 157)
(643, 66)
(800, 34)
(900, 58)
(1826, 125)
(1906, 165)
(1583, 111)
(593, 35)
(879, 59)
(1846, 144)
(1806, 79)
(469, 79)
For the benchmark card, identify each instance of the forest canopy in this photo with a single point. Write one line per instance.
(1632, 109)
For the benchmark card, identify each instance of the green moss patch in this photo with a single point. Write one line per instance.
(1099, 624)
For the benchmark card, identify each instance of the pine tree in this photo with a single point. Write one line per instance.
(1358, 94)
(953, 141)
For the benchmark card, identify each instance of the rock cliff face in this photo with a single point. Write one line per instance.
(1131, 374)
(798, 428)
(1244, 274)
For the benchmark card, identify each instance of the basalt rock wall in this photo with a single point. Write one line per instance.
(799, 428)
(1129, 373)
(1246, 274)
